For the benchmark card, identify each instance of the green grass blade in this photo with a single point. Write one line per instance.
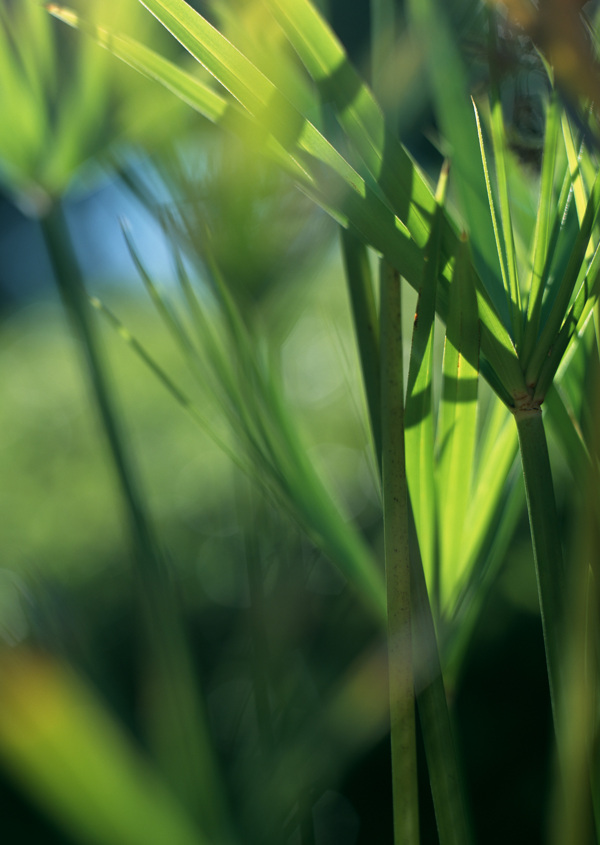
(565, 291)
(358, 114)
(24, 113)
(500, 244)
(321, 516)
(218, 55)
(579, 189)
(163, 377)
(499, 144)
(419, 421)
(493, 464)
(574, 323)
(364, 315)
(190, 88)
(324, 175)
(248, 85)
(76, 762)
(252, 403)
(457, 425)
(383, 40)
(389, 164)
(453, 108)
(542, 249)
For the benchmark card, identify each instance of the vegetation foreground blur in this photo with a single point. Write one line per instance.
(300, 536)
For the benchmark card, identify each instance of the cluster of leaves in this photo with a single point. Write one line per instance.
(514, 298)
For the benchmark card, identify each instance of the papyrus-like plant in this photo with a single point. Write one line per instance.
(514, 305)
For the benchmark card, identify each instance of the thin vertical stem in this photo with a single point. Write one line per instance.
(547, 552)
(395, 514)
(70, 284)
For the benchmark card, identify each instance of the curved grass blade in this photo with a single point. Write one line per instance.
(328, 179)
(390, 165)
(359, 114)
(251, 400)
(248, 85)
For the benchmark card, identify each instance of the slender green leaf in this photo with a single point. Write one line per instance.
(251, 400)
(359, 114)
(500, 245)
(579, 188)
(496, 455)
(565, 291)
(542, 249)
(457, 425)
(180, 397)
(500, 156)
(389, 164)
(419, 416)
(329, 180)
(574, 323)
(450, 91)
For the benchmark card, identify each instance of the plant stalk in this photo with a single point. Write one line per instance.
(70, 284)
(442, 759)
(547, 552)
(397, 566)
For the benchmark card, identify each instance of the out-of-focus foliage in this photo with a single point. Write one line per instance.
(65, 102)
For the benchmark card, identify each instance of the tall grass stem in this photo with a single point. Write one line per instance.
(545, 535)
